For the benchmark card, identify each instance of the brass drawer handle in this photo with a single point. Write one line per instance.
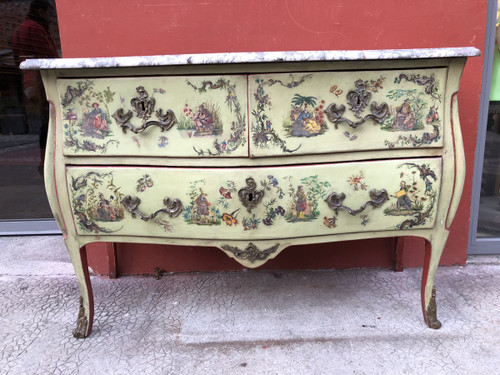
(249, 196)
(334, 114)
(131, 204)
(358, 99)
(143, 106)
(377, 199)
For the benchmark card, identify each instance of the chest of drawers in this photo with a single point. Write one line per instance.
(255, 152)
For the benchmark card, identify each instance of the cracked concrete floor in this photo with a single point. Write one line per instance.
(254, 322)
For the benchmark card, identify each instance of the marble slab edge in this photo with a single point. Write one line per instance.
(247, 57)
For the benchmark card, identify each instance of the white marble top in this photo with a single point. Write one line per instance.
(248, 57)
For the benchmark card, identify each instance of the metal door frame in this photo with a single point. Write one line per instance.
(28, 227)
(483, 245)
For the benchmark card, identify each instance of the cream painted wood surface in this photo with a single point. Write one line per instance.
(294, 112)
(255, 158)
(206, 115)
(289, 202)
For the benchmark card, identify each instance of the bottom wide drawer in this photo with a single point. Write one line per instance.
(255, 203)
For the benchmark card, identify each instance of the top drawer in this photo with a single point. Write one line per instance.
(287, 113)
(322, 112)
(204, 116)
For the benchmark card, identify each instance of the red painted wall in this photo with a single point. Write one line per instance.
(91, 28)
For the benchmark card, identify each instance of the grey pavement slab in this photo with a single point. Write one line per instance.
(360, 321)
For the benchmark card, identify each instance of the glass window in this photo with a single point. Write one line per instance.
(28, 30)
(488, 218)
(489, 202)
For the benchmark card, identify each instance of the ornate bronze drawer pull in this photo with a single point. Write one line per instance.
(250, 197)
(378, 197)
(131, 204)
(334, 114)
(143, 106)
(358, 99)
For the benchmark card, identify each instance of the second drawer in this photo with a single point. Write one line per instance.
(255, 203)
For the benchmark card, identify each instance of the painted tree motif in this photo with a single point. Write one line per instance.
(205, 119)
(415, 112)
(409, 114)
(306, 119)
(85, 117)
(93, 202)
(415, 195)
(305, 198)
(264, 134)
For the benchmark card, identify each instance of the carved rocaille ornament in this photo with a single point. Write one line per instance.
(358, 99)
(251, 252)
(173, 207)
(144, 106)
(377, 198)
(249, 196)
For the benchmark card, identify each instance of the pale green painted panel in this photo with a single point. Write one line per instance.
(289, 111)
(210, 116)
(293, 199)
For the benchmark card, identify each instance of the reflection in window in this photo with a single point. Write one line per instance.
(28, 30)
(489, 203)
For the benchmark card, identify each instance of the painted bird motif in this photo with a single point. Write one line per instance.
(424, 171)
(230, 219)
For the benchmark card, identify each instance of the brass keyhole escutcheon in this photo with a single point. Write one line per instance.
(249, 196)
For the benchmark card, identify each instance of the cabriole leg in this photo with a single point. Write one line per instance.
(86, 311)
(433, 251)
